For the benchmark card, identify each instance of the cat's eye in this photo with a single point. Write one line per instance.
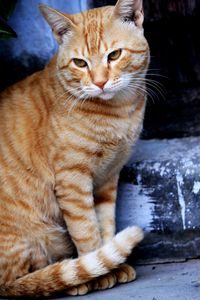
(114, 55)
(81, 63)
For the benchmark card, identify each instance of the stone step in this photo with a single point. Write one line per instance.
(157, 282)
(159, 190)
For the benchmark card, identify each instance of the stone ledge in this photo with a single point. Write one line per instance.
(159, 191)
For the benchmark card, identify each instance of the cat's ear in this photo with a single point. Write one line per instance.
(60, 23)
(130, 11)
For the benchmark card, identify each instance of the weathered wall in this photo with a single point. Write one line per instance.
(160, 190)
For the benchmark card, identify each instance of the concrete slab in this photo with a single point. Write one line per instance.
(155, 282)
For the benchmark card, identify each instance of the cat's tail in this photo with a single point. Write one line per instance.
(72, 272)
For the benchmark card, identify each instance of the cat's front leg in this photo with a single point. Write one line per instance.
(75, 196)
(105, 202)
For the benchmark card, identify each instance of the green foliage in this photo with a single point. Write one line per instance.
(6, 9)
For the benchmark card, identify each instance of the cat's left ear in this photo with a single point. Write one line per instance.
(60, 23)
(130, 11)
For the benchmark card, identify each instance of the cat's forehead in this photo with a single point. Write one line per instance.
(97, 31)
(93, 17)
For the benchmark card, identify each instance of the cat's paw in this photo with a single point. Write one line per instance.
(104, 282)
(78, 290)
(125, 273)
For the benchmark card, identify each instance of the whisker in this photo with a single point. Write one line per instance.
(151, 84)
(155, 84)
(149, 93)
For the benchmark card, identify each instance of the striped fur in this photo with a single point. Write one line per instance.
(65, 133)
(67, 273)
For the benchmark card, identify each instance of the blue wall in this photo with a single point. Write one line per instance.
(35, 44)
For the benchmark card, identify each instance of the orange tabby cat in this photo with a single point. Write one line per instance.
(65, 133)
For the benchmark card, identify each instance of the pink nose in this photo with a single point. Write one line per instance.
(101, 84)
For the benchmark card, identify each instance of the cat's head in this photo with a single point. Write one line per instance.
(101, 51)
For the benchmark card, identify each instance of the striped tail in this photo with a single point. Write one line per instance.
(72, 272)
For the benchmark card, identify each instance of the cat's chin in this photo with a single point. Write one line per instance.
(106, 96)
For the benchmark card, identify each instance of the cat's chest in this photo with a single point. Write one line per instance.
(102, 144)
(113, 152)
(115, 148)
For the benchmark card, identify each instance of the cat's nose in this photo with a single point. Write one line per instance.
(101, 83)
